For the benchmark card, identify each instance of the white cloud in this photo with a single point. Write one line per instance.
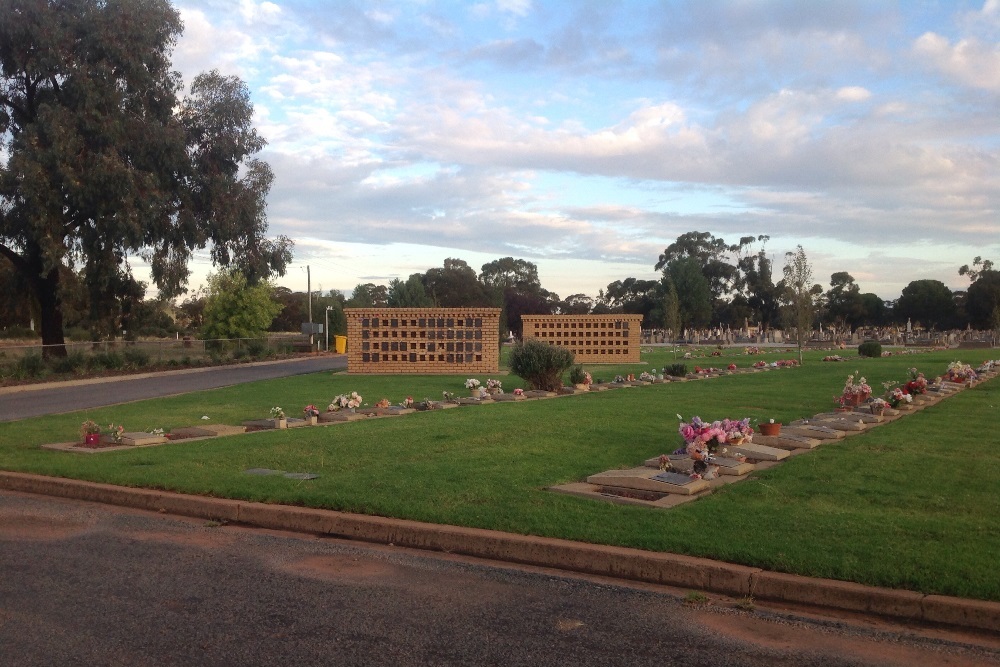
(968, 62)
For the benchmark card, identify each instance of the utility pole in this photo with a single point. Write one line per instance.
(309, 289)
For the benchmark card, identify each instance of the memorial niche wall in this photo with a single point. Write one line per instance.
(423, 340)
(593, 339)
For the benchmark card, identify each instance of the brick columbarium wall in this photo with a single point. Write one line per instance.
(423, 340)
(593, 339)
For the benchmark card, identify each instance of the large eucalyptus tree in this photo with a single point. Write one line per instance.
(101, 161)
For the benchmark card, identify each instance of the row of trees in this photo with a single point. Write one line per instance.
(103, 159)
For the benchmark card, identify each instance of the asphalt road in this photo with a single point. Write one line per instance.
(87, 584)
(69, 397)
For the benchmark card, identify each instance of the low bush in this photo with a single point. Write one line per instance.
(870, 348)
(539, 364)
(73, 362)
(111, 361)
(259, 348)
(29, 366)
(577, 375)
(16, 332)
(676, 370)
(135, 357)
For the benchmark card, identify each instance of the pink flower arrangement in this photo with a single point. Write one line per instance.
(760, 364)
(310, 411)
(519, 392)
(732, 367)
(703, 439)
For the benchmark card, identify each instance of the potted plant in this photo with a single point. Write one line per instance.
(311, 414)
(278, 417)
(770, 428)
(494, 386)
(90, 432)
(474, 386)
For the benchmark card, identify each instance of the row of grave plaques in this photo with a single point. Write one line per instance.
(648, 484)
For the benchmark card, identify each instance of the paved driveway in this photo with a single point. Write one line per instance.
(87, 584)
(23, 402)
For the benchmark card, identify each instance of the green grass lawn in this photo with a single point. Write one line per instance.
(912, 504)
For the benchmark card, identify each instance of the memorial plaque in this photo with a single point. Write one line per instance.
(672, 478)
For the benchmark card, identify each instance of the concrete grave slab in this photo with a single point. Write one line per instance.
(508, 398)
(865, 417)
(787, 441)
(759, 452)
(340, 416)
(848, 424)
(221, 429)
(817, 432)
(140, 439)
(536, 393)
(196, 432)
(648, 479)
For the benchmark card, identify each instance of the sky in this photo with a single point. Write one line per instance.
(585, 137)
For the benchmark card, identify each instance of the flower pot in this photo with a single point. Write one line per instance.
(280, 423)
(770, 429)
(92, 439)
(312, 419)
(475, 393)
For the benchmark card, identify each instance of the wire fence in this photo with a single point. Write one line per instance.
(164, 350)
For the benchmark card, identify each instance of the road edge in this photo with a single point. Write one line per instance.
(618, 562)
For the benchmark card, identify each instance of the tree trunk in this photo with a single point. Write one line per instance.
(47, 291)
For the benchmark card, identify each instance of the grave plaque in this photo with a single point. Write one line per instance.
(672, 478)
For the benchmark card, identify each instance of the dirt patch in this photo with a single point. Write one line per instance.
(342, 568)
(33, 528)
(775, 635)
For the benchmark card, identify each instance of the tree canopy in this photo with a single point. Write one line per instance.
(103, 161)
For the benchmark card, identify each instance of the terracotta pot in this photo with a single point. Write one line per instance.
(770, 429)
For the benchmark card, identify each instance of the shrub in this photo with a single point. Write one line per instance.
(870, 348)
(539, 364)
(258, 348)
(109, 360)
(29, 366)
(135, 357)
(71, 363)
(676, 370)
(577, 375)
(18, 332)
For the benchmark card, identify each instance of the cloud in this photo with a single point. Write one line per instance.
(968, 62)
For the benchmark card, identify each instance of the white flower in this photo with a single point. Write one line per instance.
(205, 417)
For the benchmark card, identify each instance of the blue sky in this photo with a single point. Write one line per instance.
(587, 136)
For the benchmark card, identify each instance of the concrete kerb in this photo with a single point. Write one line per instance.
(619, 562)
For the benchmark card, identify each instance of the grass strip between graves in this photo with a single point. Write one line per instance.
(912, 504)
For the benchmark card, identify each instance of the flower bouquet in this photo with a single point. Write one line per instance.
(760, 364)
(494, 386)
(350, 401)
(854, 394)
(472, 383)
(731, 367)
(917, 383)
(703, 441)
(878, 406)
(646, 377)
(311, 413)
(960, 373)
(407, 403)
(384, 403)
(117, 433)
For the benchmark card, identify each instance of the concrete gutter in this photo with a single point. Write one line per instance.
(624, 563)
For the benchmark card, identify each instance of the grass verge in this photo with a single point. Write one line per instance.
(909, 505)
